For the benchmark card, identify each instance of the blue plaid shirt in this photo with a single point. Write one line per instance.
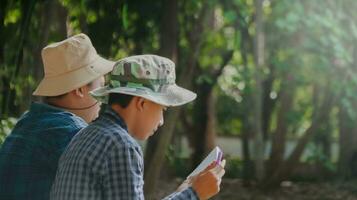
(104, 162)
(29, 155)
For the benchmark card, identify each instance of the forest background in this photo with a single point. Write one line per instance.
(276, 81)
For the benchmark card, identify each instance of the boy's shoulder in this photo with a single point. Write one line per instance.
(101, 138)
(112, 132)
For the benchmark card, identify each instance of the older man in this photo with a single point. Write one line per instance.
(29, 155)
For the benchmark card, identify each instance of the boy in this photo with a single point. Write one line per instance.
(104, 161)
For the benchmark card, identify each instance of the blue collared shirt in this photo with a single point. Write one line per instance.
(29, 156)
(104, 162)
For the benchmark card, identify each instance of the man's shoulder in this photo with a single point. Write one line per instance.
(47, 127)
(50, 120)
(45, 130)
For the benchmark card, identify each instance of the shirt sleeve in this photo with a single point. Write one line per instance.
(187, 194)
(124, 174)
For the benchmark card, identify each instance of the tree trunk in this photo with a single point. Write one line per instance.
(204, 114)
(157, 144)
(200, 118)
(27, 10)
(3, 78)
(185, 80)
(248, 167)
(45, 24)
(268, 103)
(2, 32)
(62, 20)
(347, 142)
(279, 138)
(211, 128)
(286, 168)
(257, 99)
(347, 162)
(169, 27)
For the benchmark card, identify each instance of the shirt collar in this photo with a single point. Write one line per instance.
(110, 113)
(38, 107)
(44, 108)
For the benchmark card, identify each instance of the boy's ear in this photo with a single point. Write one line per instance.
(139, 103)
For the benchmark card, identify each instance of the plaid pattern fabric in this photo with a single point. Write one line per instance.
(104, 162)
(29, 155)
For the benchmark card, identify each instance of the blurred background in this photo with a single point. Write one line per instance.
(276, 83)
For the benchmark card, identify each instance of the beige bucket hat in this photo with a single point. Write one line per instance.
(70, 64)
(148, 76)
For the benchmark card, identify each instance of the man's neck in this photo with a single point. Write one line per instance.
(65, 103)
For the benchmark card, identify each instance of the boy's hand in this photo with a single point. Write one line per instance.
(207, 183)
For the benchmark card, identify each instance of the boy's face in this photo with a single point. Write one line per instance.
(149, 119)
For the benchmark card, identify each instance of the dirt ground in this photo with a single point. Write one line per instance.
(232, 189)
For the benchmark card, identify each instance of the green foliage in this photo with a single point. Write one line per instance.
(12, 16)
(293, 18)
(234, 168)
(310, 49)
(318, 157)
(6, 125)
(228, 115)
(125, 16)
(178, 163)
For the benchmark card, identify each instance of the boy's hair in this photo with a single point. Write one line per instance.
(122, 100)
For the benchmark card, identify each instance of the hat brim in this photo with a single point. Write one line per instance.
(58, 85)
(174, 95)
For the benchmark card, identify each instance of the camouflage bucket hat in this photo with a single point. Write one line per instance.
(149, 76)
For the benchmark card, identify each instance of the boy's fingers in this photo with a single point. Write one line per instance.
(223, 163)
(211, 166)
(219, 171)
(216, 167)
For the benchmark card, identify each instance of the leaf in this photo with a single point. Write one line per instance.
(231, 16)
(125, 16)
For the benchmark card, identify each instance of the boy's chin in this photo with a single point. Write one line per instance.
(144, 137)
(150, 134)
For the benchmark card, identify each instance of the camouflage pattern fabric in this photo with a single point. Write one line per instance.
(148, 76)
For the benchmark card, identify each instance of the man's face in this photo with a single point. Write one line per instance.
(92, 112)
(149, 120)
